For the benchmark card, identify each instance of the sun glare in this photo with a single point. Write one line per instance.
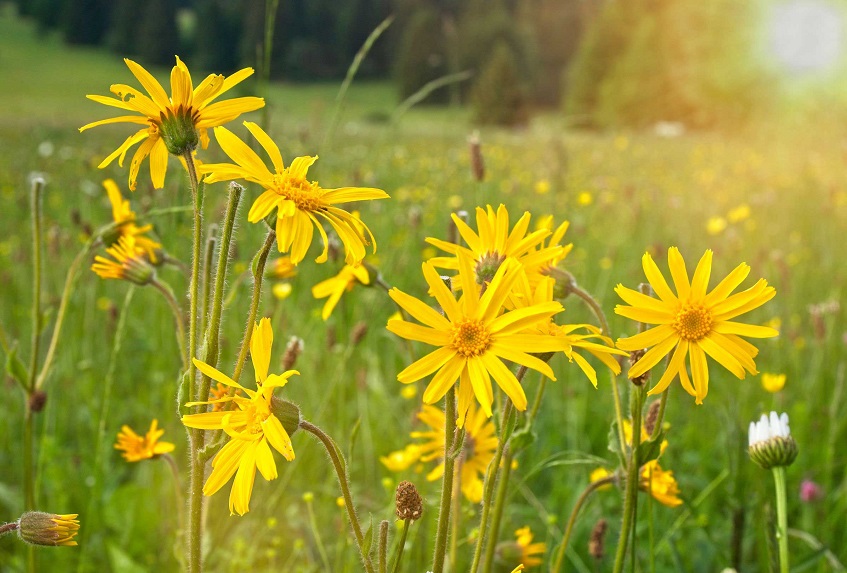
(806, 35)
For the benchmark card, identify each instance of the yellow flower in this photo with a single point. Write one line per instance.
(48, 529)
(173, 125)
(298, 201)
(251, 427)
(129, 263)
(530, 552)
(494, 243)
(135, 448)
(282, 290)
(567, 337)
(694, 323)
(334, 287)
(125, 220)
(660, 484)
(473, 338)
(739, 213)
(597, 475)
(773, 382)
(477, 453)
(584, 199)
(281, 269)
(715, 225)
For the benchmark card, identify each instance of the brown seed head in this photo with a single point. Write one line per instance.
(596, 541)
(408, 501)
(37, 400)
(634, 357)
(652, 416)
(477, 163)
(360, 329)
(292, 351)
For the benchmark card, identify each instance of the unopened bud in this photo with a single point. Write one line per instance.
(287, 413)
(564, 284)
(39, 528)
(770, 441)
(292, 351)
(409, 505)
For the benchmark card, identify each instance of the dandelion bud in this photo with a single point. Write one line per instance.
(179, 132)
(597, 539)
(408, 501)
(652, 416)
(770, 441)
(37, 400)
(477, 163)
(287, 413)
(292, 351)
(359, 331)
(39, 528)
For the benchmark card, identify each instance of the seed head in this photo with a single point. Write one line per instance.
(408, 501)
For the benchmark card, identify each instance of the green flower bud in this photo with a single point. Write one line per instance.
(39, 528)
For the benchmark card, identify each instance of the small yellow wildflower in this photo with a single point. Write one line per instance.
(693, 323)
(127, 263)
(599, 474)
(174, 125)
(282, 268)
(282, 291)
(739, 213)
(332, 288)
(136, 448)
(252, 427)
(716, 225)
(773, 382)
(542, 187)
(531, 553)
(298, 202)
(660, 484)
(584, 199)
(124, 218)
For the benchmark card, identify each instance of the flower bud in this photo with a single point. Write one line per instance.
(565, 282)
(770, 441)
(287, 413)
(179, 132)
(39, 528)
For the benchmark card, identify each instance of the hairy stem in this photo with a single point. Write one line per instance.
(499, 504)
(382, 549)
(402, 545)
(446, 482)
(340, 467)
(178, 318)
(583, 497)
(208, 260)
(35, 198)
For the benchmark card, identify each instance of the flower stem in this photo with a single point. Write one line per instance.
(781, 517)
(208, 259)
(491, 476)
(660, 418)
(446, 482)
(178, 318)
(382, 549)
(402, 545)
(35, 197)
(8, 528)
(195, 497)
(316, 532)
(341, 472)
(583, 497)
(499, 503)
(631, 496)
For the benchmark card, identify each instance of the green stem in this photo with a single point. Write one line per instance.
(318, 541)
(631, 496)
(195, 497)
(446, 482)
(35, 198)
(341, 472)
(781, 517)
(499, 504)
(29, 477)
(8, 528)
(491, 476)
(661, 417)
(402, 545)
(382, 549)
(583, 497)
(208, 259)
(178, 318)
(177, 489)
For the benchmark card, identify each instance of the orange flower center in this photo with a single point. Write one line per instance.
(471, 338)
(306, 195)
(257, 412)
(693, 322)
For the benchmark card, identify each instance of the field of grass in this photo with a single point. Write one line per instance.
(774, 198)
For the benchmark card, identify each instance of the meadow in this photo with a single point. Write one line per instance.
(773, 195)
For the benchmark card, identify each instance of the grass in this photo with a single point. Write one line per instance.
(624, 193)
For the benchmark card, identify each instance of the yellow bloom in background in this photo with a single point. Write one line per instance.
(334, 287)
(282, 291)
(716, 225)
(125, 219)
(127, 263)
(693, 323)
(477, 453)
(252, 427)
(773, 382)
(48, 529)
(542, 186)
(531, 553)
(298, 202)
(493, 243)
(136, 448)
(660, 484)
(597, 475)
(584, 199)
(281, 269)
(174, 125)
(739, 213)
(473, 338)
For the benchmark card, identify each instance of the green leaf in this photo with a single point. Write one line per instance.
(183, 394)
(650, 450)
(522, 439)
(120, 561)
(614, 440)
(369, 537)
(15, 366)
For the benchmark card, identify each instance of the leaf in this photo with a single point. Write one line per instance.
(651, 449)
(614, 439)
(369, 537)
(183, 394)
(522, 439)
(120, 561)
(15, 366)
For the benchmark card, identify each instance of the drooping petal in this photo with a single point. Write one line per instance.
(242, 487)
(278, 437)
(265, 460)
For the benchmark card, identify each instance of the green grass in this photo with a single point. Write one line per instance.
(646, 193)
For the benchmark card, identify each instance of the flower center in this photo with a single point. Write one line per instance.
(486, 267)
(257, 412)
(693, 322)
(306, 196)
(471, 338)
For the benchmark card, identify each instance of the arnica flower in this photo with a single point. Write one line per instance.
(127, 263)
(568, 337)
(124, 219)
(473, 338)
(660, 484)
(281, 268)
(598, 474)
(332, 288)
(298, 201)
(49, 529)
(174, 125)
(477, 452)
(136, 448)
(531, 553)
(694, 323)
(494, 243)
(252, 427)
(773, 383)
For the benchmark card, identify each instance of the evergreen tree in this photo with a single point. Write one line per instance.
(121, 37)
(85, 21)
(158, 36)
(216, 38)
(422, 57)
(499, 94)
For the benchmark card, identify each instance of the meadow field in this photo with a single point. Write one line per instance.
(772, 195)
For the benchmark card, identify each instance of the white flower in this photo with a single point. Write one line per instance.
(769, 427)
